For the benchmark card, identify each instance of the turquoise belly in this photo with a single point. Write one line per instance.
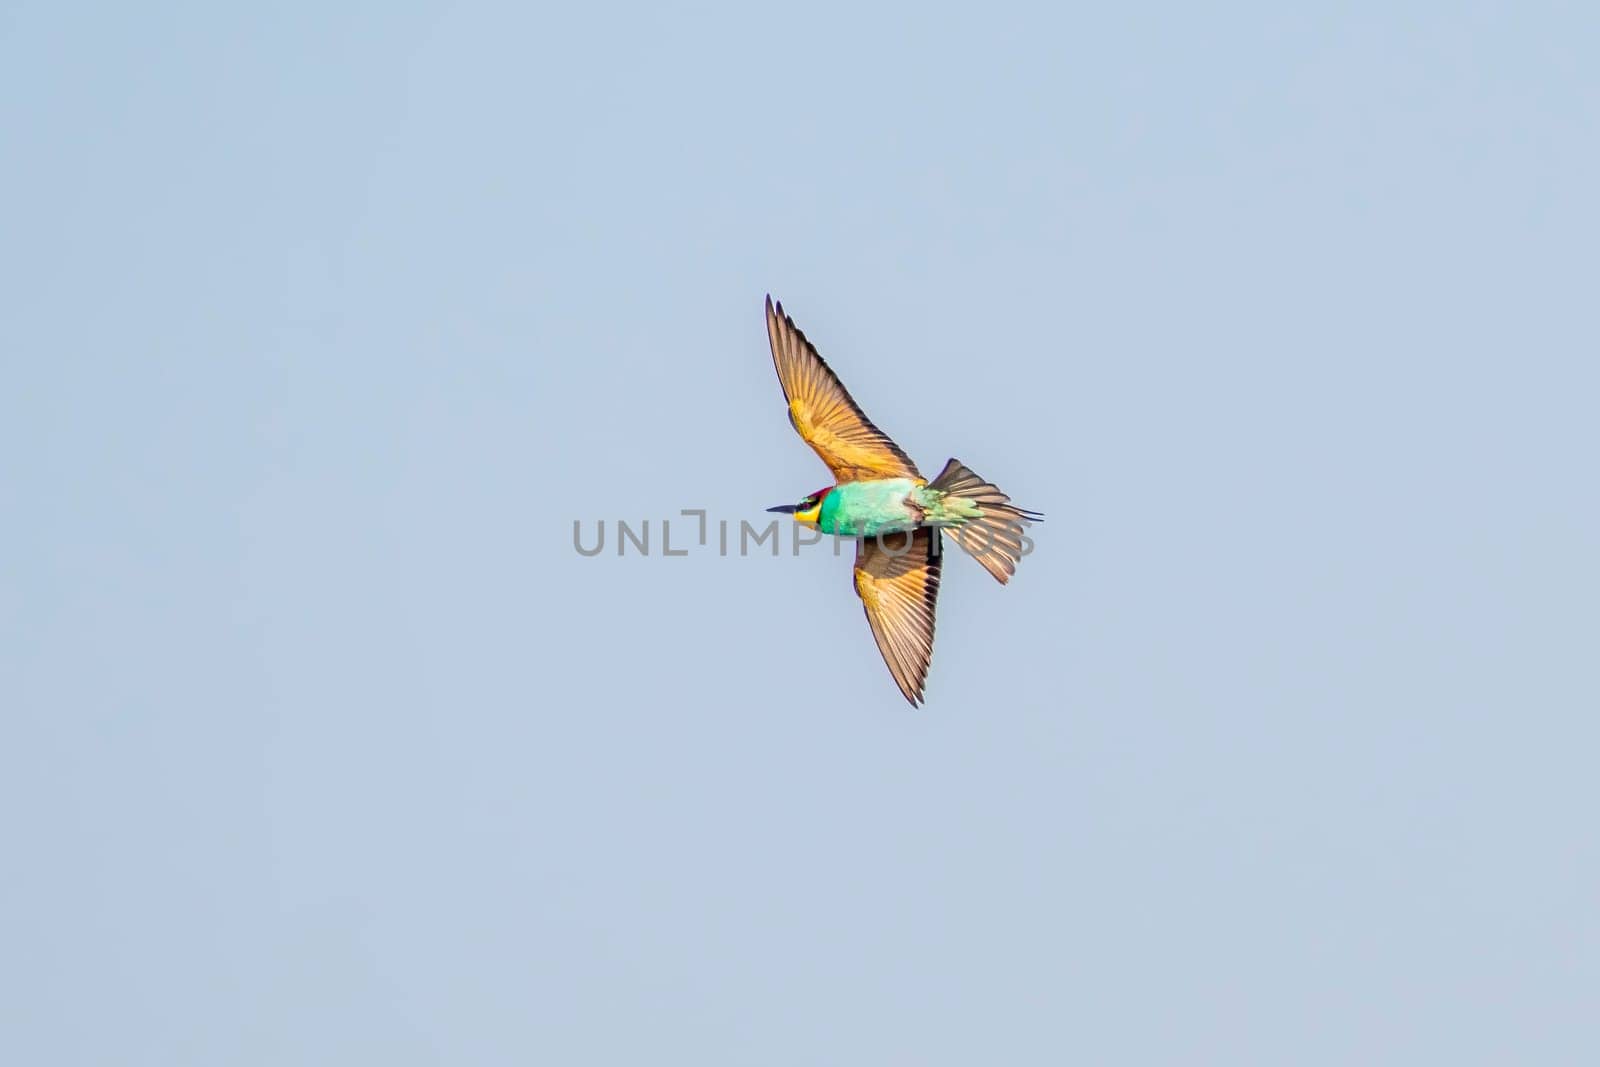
(866, 509)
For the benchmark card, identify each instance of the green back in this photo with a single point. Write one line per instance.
(863, 509)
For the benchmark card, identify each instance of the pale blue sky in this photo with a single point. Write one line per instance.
(320, 744)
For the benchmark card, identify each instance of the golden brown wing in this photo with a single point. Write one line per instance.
(899, 589)
(823, 413)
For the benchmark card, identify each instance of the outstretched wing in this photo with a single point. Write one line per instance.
(823, 413)
(899, 589)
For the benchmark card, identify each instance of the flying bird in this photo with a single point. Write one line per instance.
(895, 514)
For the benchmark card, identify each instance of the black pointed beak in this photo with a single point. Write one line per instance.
(785, 509)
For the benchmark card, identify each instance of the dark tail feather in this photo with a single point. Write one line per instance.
(995, 538)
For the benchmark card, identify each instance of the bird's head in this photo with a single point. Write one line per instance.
(808, 510)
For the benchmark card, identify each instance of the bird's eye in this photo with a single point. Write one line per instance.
(808, 503)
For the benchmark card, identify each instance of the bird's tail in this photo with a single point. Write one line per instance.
(981, 519)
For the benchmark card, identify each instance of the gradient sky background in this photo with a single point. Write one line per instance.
(321, 745)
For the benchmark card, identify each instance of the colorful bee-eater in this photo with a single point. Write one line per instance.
(879, 492)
